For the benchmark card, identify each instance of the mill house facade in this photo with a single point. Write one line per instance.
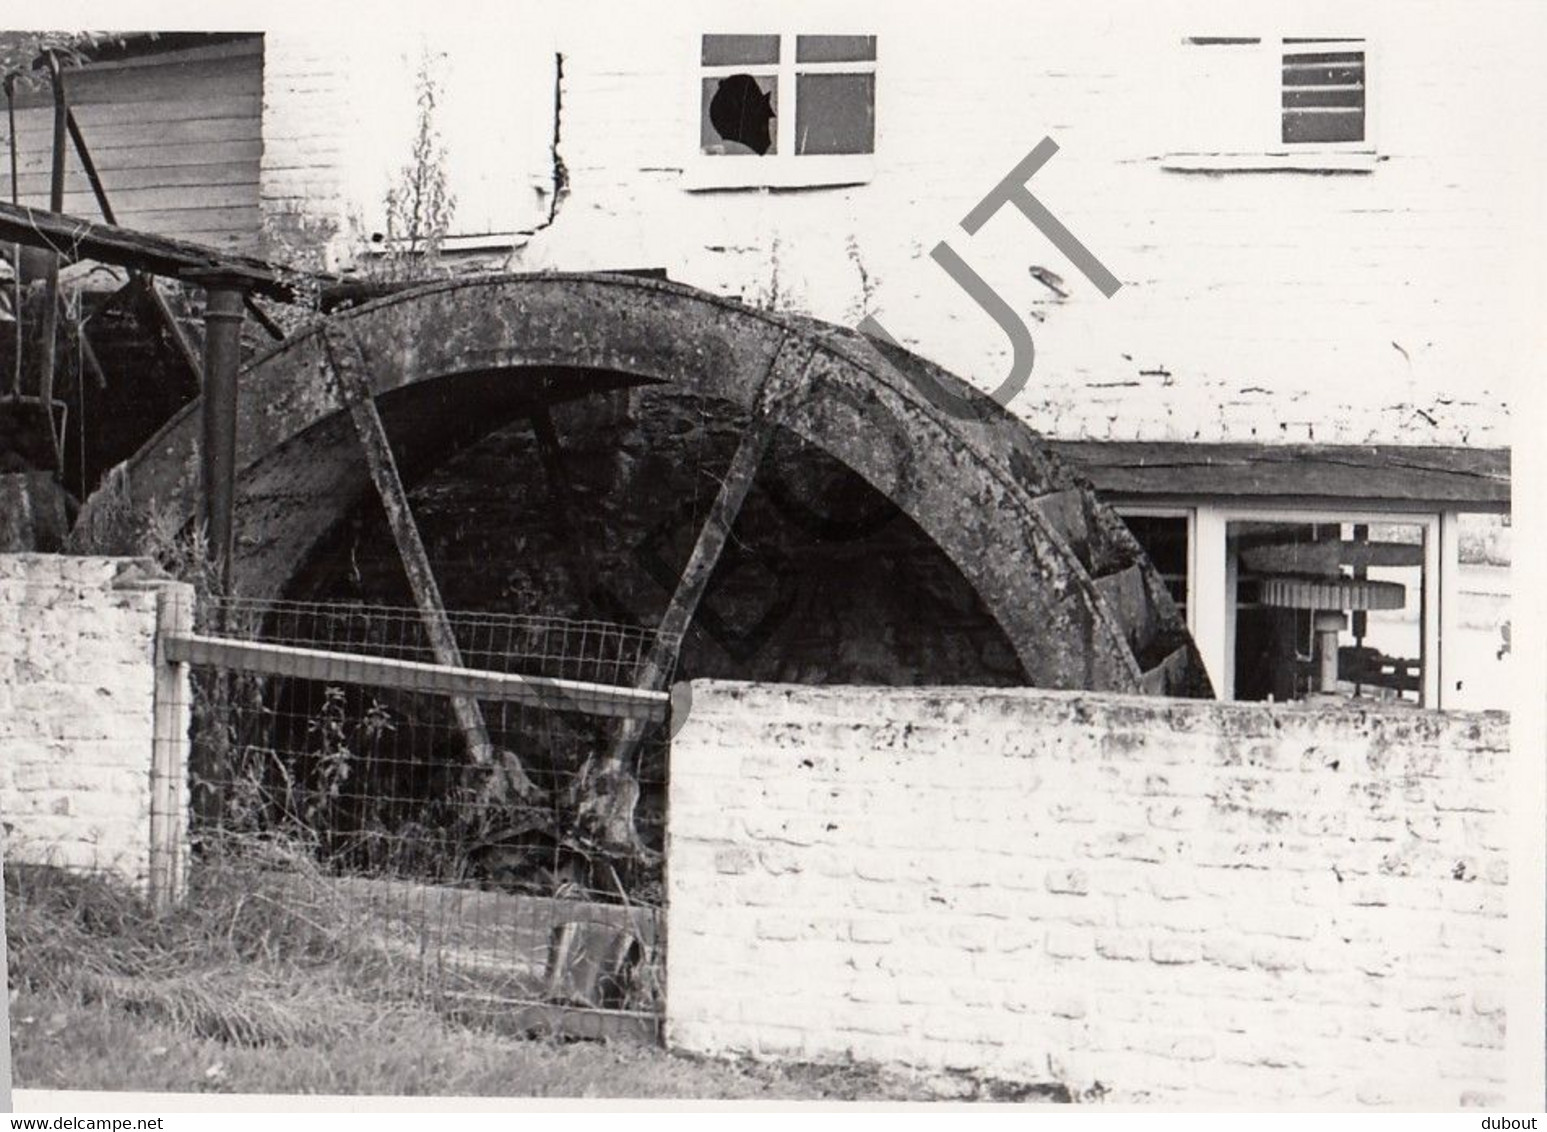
(1296, 396)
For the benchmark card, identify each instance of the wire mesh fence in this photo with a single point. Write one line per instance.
(425, 844)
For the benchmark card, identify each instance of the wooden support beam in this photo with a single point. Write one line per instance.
(551, 453)
(1414, 476)
(179, 336)
(75, 238)
(348, 366)
(157, 300)
(261, 317)
(783, 377)
(561, 490)
(90, 166)
(89, 356)
(609, 791)
(223, 317)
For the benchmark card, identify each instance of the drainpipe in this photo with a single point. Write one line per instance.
(10, 113)
(224, 311)
(46, 355)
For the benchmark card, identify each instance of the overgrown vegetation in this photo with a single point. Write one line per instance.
(255, 984)
(418, 209)
(420, 204)
(380, 783)
(254, 955)
(19, 50)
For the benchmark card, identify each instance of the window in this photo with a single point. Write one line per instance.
(1323, 89)
(1254, 103)
(784, 110)
(1327, 608)
(1288, 605)
(1165, 536)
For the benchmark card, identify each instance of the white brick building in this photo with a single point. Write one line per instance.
(1311, 223)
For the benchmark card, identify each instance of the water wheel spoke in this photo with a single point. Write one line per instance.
(608, 789)
(348, 366)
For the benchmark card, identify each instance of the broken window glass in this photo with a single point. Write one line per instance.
(828, 81)
(738, 115)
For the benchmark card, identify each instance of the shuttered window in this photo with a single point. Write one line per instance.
(1323, 92)
(1290, 102)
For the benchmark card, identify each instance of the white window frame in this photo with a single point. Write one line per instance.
(1211, 584)
(783, 168)
(1363, 145)
(1268, 151)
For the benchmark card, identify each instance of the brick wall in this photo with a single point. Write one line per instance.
(1196, 903)
(1269, 307)
(78, 713)
(1257, 306)
(305, 132)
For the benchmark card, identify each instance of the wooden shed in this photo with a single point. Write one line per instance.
(173, 124)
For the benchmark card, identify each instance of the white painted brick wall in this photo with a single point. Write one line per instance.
(77, 719)
(305, 126)
(1276, 307)
(1193, 903)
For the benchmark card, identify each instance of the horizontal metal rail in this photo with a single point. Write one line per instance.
(260, 658)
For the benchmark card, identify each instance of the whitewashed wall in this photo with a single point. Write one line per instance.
(1366, 307)
(79, 721)
(1190, 904)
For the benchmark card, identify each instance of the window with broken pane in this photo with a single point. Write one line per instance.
(787, 95)
(738, 114)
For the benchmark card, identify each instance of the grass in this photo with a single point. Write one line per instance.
(64, 1044)
(253, 986)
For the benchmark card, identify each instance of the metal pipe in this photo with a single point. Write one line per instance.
(61, 129)
(223, 316)
(1327, 624)
(46, 355)
(10, 111)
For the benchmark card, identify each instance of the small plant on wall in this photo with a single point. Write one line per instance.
(419, 204)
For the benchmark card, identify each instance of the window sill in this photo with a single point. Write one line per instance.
(1316, 161)
(705, 174)
(485, 242)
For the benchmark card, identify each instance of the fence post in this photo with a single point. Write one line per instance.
(169, 756)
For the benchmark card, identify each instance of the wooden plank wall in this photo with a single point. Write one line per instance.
(176, 137)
